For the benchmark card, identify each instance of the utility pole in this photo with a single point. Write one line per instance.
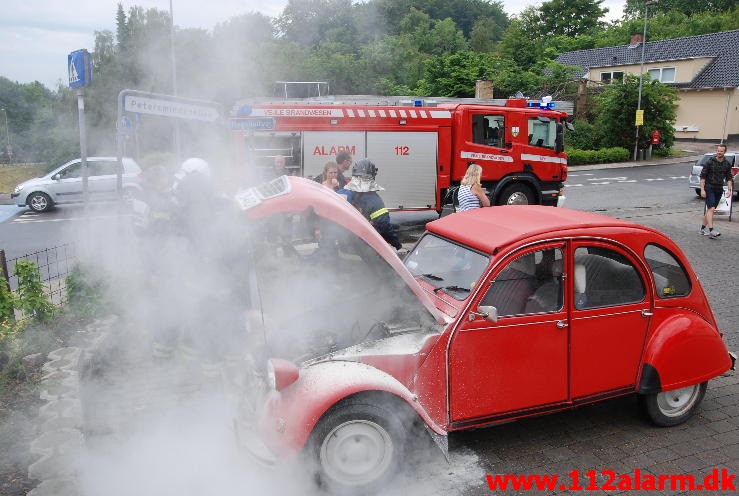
(639, 120)
(8, 148)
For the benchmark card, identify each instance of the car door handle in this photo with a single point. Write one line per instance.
(646, 313)
(561, 324)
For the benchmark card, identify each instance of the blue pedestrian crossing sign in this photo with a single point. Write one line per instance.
(79, 64)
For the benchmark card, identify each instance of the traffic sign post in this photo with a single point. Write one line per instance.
(79, 64)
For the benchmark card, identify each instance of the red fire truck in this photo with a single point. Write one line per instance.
(422, 148)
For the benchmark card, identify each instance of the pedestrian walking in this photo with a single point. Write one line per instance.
(715, 173)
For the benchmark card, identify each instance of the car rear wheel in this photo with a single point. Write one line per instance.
(39, 202)
(516, 194)
(674, 407)
(358, 447)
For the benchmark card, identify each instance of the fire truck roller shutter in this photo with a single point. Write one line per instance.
(407, 165)
(320, 147)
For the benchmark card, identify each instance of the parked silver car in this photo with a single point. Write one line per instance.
(694, 180)
(64, 184)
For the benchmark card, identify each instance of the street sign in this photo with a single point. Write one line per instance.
(264, 124)
(164, 106)
(640, 117)
(79, 66)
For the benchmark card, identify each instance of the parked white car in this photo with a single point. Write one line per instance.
(64, 184)
(694, 180)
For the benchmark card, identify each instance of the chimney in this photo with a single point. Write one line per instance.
(484, 89)
(636, 39)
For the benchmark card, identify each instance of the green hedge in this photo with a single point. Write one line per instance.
(602, 156)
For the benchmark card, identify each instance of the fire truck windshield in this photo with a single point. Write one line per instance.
(542, 131)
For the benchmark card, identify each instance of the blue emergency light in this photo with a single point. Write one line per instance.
(542, 105)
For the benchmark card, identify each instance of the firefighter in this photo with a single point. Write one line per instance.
(365, 198)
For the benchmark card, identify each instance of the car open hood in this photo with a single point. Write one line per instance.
(290, 194)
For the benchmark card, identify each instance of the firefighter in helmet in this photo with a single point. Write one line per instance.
(365, 198)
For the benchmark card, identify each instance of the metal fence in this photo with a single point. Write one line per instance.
(54, 265)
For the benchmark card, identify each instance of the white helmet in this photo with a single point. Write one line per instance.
(193, 164)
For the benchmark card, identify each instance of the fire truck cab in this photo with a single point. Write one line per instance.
(422, 148)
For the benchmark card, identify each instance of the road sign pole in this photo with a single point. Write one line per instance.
(79, 64)
(83, 144)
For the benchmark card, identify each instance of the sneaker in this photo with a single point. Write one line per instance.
(714, 233)
(704, 232)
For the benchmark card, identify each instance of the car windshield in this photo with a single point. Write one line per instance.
(447, 266)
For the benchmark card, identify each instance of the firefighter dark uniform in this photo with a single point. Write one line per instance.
(368, 202)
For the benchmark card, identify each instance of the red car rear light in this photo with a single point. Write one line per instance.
(563, 173)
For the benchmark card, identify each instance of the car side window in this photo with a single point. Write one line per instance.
(72, 172)
(604, 277)
(670, 278)
(103, 168)
(530, 283)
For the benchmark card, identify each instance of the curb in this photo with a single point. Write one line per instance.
(60, 444)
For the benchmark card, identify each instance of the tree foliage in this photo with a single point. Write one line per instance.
(616, 111)
(570, 17)
(635, 8)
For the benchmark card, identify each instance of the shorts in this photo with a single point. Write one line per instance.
(713, 197)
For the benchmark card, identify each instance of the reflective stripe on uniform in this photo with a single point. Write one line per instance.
(378, 213)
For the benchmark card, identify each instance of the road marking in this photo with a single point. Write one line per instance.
(34, 219)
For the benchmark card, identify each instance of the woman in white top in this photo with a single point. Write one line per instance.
(470, 194)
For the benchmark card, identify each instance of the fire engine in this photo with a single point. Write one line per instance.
(422, 148)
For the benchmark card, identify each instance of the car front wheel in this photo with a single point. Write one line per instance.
(39, 202)
(674, 407)
(358, 448)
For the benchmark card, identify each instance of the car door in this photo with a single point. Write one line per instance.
(67, 184)
(102, 180)
(609, 320)
(520, 361)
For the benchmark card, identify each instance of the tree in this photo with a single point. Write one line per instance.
(310, 21)
(455, 75)
(634, 8)
(616, 111)
(570, 17)
(520, 43)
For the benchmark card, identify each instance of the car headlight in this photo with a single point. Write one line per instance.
(281, 373)
(17, 189)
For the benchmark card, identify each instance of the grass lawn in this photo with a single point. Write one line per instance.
(11, 175)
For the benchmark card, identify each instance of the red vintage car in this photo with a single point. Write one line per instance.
(495, 314)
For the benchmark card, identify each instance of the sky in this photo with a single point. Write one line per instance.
(37, 35)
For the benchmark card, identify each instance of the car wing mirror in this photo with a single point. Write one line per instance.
(487, 312)
(56, 177)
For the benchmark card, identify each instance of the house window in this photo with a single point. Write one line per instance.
(663, 74)
(608, 77)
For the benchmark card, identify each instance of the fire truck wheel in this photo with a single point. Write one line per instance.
(516, 194)
(358, 447)
(674, 407)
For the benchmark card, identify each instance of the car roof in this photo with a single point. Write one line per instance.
(491, 228)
